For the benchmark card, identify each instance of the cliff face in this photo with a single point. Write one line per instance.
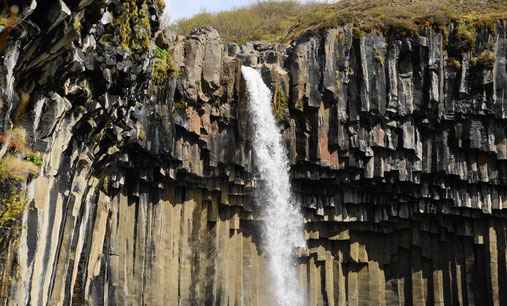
(398, 155)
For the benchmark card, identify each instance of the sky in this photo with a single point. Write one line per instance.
(176, 9)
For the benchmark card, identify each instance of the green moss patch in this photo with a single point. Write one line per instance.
(486, 60)
(279, 104)
(163, 67)
(453, 63)
(135, 28)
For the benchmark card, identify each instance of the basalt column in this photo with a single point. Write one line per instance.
(144, 191)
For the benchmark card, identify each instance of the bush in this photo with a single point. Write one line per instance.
(262, 20)
(284, 20)
(12, 167)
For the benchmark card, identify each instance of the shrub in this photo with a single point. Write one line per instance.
(284, 20)
(11, 167)
(16, 138)
(262, 20)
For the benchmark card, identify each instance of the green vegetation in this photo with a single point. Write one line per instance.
(486, 60)
(453, 62)
(18, 138)
(162, 53)
(14, 168)
(12, 206)
(284, 20)
(279, 104)
(465, 35)
(11, 166)
(160, 4)
(378, 57)
(10, 23)
(181, 104)
(141, 135)
(163, 66)
(106, 39)
(34, 158)
(263, 20)
(135, 26)
(10, 214)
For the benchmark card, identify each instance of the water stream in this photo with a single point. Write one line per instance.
(282, 226)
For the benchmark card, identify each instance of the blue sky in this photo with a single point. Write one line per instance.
(177, 9)
(186, 8)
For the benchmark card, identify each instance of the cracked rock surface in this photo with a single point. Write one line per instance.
(398, 160)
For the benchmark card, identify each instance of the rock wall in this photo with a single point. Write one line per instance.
(397, 147)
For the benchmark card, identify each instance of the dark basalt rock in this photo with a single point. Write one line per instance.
(398, 159)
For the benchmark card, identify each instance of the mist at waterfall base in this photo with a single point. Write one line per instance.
(282, 226)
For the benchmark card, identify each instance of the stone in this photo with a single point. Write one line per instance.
(145, 192)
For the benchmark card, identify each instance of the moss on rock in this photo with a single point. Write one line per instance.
(279, 104)
(163, 67)
(486, 60)
(135, 26)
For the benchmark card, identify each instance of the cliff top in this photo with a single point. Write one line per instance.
(288, 19)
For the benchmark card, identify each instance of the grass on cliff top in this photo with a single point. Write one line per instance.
(285, 20)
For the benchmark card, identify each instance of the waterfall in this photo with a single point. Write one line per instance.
(282, 225)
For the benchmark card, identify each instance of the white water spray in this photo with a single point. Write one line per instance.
(282, 226)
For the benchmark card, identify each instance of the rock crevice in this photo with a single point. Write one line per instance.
(398, 160)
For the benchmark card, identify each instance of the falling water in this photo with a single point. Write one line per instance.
(282, 226)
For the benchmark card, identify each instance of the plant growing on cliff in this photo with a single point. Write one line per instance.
(163, 66)
(465, 36)
(486, 60)
(34, 158)
(17, 139)
(141, 135)
(279, 104)
(181, 104)
(453, 63)
(9, 22)
(11, 210)
(286, 20)
(162, 53)
(12, 167)
(378, 57)
(135, 28)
